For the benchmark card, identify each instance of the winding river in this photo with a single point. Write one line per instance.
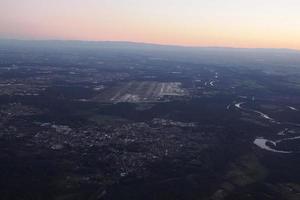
(267, 144)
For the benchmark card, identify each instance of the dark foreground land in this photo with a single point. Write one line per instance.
(128, 121)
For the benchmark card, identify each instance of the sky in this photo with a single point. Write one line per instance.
(233, 23)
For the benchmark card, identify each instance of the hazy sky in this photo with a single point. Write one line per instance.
(238, 23)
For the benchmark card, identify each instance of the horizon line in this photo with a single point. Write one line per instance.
(150, 43)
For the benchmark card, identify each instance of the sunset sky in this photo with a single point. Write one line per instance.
(235, 23)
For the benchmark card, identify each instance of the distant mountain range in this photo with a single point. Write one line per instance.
(254, 58)
(133, 45)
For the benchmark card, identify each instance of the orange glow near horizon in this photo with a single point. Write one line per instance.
(254, 24)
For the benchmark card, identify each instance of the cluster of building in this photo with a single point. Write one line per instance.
(125, 149)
